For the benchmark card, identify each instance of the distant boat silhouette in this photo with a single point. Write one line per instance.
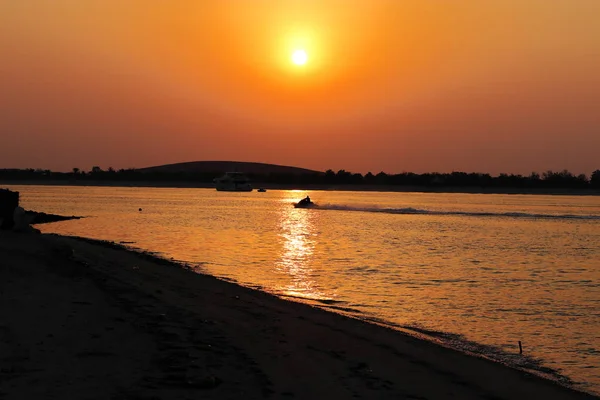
(262, 190)
(233, 182)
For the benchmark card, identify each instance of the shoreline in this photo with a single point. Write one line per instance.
(352, 188)
(176, 333)
(37, 218)
(522, 363)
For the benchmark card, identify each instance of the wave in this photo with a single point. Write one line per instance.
(417, 211)
(509, 357)
(506, 356)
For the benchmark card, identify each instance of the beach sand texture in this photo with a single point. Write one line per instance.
(85, 320)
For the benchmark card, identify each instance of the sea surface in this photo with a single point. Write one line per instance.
(477, 272)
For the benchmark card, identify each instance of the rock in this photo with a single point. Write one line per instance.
(9, 200)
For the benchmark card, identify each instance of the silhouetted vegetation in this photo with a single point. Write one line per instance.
(547, 180)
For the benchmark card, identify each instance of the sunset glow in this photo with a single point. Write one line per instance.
(299, 57)
(382, 85)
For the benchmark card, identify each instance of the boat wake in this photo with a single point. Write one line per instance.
(417, 211)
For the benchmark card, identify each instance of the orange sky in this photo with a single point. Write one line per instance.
(394, 85)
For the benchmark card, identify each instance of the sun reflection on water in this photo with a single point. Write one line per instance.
(488, 278)
(298, 234)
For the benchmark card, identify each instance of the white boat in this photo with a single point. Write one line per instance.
(233, 182)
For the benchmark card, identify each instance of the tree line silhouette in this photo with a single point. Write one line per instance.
(547, 180)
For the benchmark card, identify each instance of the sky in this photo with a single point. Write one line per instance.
(389, 85)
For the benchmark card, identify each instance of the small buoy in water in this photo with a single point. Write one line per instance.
(140, 209)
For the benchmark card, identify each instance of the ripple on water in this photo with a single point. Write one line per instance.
(521, 265)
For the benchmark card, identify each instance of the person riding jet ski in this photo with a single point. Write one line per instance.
(305, 202)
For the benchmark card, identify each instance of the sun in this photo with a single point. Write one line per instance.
(299, 57)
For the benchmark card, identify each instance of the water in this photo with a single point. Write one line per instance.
(476, 272)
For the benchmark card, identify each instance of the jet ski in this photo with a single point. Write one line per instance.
(304, 203)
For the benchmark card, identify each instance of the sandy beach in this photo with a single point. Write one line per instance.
(86, 320)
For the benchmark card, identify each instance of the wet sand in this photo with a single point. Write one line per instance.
(85, 320)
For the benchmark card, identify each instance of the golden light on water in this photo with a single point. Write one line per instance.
(482, 277)
(298, 238)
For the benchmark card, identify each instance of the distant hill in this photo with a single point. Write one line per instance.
(229, 166)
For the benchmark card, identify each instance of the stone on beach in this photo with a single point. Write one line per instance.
(9, 201)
